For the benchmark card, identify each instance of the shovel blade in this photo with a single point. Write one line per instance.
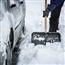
(43, 37)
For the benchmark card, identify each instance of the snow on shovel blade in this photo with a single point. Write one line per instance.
(42, 37)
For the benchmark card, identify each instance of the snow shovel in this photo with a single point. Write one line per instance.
(43, 37)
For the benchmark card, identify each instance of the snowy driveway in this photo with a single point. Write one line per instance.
(38, 55)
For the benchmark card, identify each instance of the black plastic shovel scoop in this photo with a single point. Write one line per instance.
(43, 37)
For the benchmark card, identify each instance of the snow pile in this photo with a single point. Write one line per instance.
(40, 54)
(62, 26)
(52, 53)
(48, 56)
(25, 55)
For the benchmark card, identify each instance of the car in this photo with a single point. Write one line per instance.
(12, 26)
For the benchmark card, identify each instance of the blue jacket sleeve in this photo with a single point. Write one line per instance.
(54, 3)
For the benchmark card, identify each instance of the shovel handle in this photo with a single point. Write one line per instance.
(45, 4)
(45, 16)
(45, 23)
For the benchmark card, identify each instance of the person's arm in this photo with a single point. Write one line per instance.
(54, 4)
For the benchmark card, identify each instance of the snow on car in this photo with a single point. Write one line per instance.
(12, 25)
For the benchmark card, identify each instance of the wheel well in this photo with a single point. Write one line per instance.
(11, 37)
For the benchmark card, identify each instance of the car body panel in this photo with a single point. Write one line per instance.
(18, 13)
(12, 15)
(4, 28)
(16, 16)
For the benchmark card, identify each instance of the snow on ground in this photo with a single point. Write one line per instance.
(40, 55)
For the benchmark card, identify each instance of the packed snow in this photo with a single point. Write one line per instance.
(52, 53)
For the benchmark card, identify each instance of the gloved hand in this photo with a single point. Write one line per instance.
(46, 13)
